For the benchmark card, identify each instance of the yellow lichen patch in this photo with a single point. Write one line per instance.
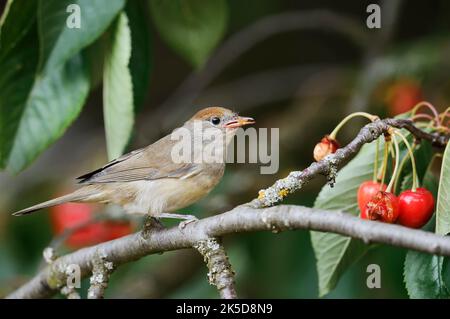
(261, 194)
(283, 193)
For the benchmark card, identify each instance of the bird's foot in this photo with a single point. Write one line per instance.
(187, 219)
(150, 223)
(183, 224)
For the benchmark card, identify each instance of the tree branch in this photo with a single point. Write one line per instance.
(240, 219)
(220, 272)
(329, 165)
(70, 292)
(247, 218)
(101, 270)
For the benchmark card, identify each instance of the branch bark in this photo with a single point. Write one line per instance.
(101, 270)
(240, 219)
(220, 273)
(253, 217)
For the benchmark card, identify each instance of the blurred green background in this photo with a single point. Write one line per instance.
(300, 79)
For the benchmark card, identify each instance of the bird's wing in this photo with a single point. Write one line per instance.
(152, 162)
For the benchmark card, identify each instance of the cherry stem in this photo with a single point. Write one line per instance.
(443, 129)
(440, 127)
(375, 164)
(445, 114)
(385, 161)
(394, 173)
(430, 107)
(424, 125)
(422, 116)
(369, 116)
(402, 163)
(392, 151)
(413, 161)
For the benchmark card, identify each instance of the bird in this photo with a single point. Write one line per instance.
(151, 181)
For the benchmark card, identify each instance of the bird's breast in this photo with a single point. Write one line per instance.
(169, 194)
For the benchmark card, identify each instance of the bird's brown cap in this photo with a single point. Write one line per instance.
(212, 111)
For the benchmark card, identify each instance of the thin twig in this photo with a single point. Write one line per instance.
(101, 270)
(220, 273)
(265, 87)
(70, 292)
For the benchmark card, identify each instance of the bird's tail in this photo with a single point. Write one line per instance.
(77, 196)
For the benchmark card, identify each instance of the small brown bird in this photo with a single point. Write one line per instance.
(150, 180)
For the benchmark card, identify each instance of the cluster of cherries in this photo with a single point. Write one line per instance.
(376, 200)
(412, 208)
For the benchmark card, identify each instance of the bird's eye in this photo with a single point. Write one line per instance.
(215, 120)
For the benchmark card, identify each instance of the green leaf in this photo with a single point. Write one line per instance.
(335, 253)
(118, 89)
(16, 80)
(12, 30)
(141, 58)
(59, 42)
(446, 272)
(34, 109)
(39, 99)
(427, 276)
(191, 27)
(423, 276)
(443, 200)
(431, 181)
(53, 102)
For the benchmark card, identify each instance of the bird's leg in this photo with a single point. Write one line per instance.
(187, 218)
(150, 223)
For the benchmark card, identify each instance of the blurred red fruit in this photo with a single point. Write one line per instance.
(383, 206)
(70, 215)
(366, 191)
(416, 208)
(403, 96)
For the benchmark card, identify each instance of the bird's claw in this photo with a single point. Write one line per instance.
(183, 224)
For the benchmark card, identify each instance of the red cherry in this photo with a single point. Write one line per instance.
(70, 215)
(363, 214)
(383, 206)
(366, 191)
(326, 146)
(416, 208)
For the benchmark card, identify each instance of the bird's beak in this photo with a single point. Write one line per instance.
(240, 121)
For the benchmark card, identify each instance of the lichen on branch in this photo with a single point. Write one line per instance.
(220, 273)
